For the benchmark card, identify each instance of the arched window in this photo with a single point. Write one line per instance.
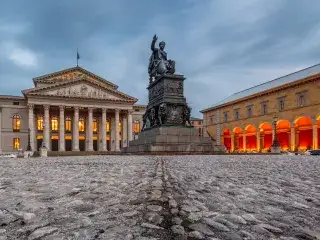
(40, 123)
(54, 124)
(108, 126)
(68, 124)
(16, 143)
(81, 125)
(95, 125)
(16, 123)
(136, 126)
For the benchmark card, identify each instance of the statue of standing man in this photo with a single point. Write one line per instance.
(158, 62)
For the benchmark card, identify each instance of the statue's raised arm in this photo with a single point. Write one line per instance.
(154, 40)
(158, 62)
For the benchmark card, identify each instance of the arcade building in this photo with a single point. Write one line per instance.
(287, 107)
(69, 110)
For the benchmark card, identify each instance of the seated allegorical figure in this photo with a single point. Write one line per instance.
(158, 62)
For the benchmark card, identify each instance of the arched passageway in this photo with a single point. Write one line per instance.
(265, 135)
(283, 134)
(227, 139)
(304, 133)
(238, 138)
(251, 138)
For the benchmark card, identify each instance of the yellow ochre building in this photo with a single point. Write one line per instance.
(288, 106)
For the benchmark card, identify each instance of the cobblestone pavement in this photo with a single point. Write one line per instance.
(173, 197)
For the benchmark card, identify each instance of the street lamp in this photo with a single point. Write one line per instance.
(275, 147)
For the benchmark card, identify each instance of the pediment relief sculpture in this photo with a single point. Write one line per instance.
(82, 90)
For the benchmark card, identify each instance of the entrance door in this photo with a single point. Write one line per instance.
(95, 145)
(108, 145)
(68, 145)
(39, 143)
(82, 144)
(54, 145)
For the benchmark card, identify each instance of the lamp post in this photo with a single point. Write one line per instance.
(275, 147)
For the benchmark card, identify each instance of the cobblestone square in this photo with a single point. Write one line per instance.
(153, 197)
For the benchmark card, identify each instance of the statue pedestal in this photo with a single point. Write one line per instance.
(43, 152)
(165, 128)
(27, 154)
(172, 139)
(276, 149)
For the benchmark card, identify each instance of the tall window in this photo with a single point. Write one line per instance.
(40, 123)
(264, 109)
(226, 117)
(249, 111)
(136, 126)
(108, 126)
(16, 123)
(81, 125)
(16, 143)
(281, 104)
(236, 115)
(301, 101)
(68, 124)
(95, 125)
(54, 124)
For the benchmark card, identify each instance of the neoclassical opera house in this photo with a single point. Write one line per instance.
(69, 110)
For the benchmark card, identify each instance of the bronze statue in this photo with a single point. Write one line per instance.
(158, 62)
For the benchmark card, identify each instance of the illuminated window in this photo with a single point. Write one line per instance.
(54, 124)
(16, 143)
(136, 127)
(108, 126)
(16, 122)
(40, 123)
(68, 124)
(120, 127)
(95, 125)
(81, 125)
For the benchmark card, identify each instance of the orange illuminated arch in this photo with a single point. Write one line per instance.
(265, 126)
(283, 124)
(226, 132)
(237, 130)
(250, 129)
(303, 121)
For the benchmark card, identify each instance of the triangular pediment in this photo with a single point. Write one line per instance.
(82, 88)
(76, 73)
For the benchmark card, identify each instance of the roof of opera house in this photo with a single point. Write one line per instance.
(292, 77)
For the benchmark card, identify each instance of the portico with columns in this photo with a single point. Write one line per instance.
(75, 110)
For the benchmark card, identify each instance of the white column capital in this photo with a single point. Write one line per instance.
(30, 106)
(62, 107)
(117, 110)
(76, 108)
(46, 107)
(104, 110)
(90, 109)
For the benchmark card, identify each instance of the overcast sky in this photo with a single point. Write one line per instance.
(221, 46)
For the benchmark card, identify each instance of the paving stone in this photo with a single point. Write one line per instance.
(196, 235)
(178, 229)
(217, 226)
(202, 228)
(42, 232)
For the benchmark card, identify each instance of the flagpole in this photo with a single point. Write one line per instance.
(77, 57)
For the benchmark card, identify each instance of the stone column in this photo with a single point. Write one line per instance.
(273, 133)
(232, 143)
(103, 129)
(46, 137)
(292, 138)
(258, 141)
(61, 130)
(31, 126)
(315, 136)
(90, 133)
(117, 130)
(0, 131)
(297, 139)
(244, 142)
(75, 130)
(129, 126)
(125, 132)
